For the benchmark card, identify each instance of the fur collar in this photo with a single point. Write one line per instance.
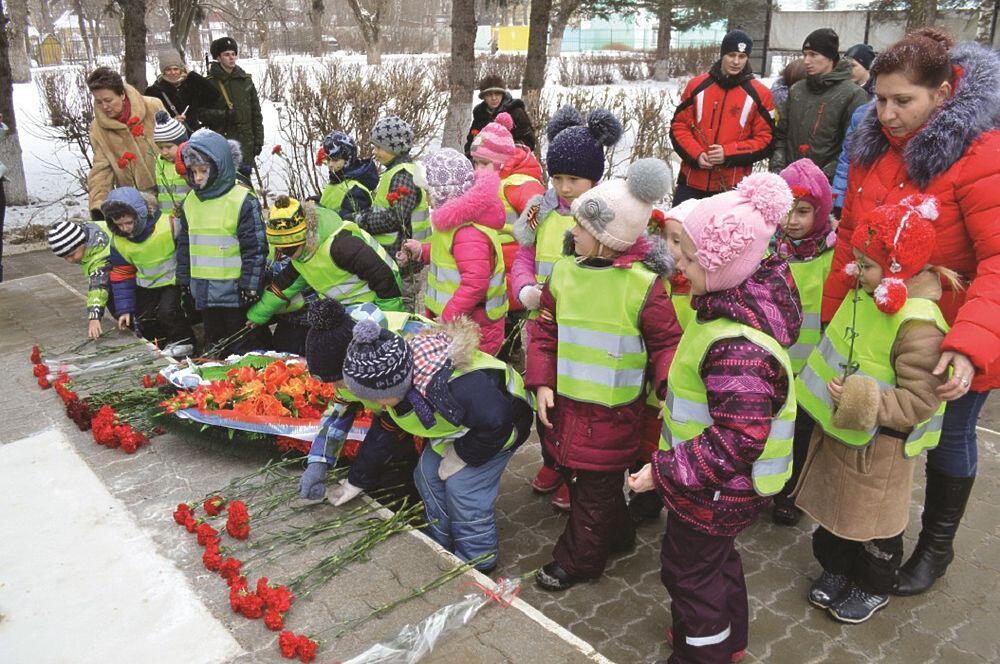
(479, 204)
(973, 109)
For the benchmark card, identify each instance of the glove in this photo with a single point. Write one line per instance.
(451, 463)
(248, 297)
(312, 483)
(342, 493)
(531, 296)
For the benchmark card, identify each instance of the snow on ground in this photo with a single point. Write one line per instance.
(62, 531)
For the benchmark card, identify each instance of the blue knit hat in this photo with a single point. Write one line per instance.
(576, 148)
(338, 145)
(379, 364)
(330, 333)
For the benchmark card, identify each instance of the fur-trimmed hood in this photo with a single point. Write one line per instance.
(479, 204)
(650, 249)
(973, 109)
(464, 335)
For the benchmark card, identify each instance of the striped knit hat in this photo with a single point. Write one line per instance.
(168, 130)
(65, 236)
(495, 143)
(379, 364)
(286, 224)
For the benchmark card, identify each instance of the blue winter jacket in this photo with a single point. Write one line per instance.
(843, 164)
(249, 229)
(357, 199)
(123, 290)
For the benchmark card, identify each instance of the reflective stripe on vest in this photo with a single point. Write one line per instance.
(334, 194)
(443, 432)
(809, 278)
(686, 413)
(685, 314)
(171, 187)
(601, 356)
(875, 334)
(213, 245)
(443, 278)
(155, 257)
(334, 282)
(510, 214)
(419, 220)
(549, 242)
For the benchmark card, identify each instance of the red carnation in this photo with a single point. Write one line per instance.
(798, 191)
(307, 648)
(320, 156)
(273, 620)
(181, 514)
(804, 149)
(236, 597)
(212, 559)
(403, 190)
(40, 370)
(160, 380)
(251, 606)
(191, 524)
(44, 383)
(206, 532)
(132, 121)
(214, 505)
(230, 569)
(238, 521)
(276, 149)
(138, 130)
(36, 354)
(288, 643)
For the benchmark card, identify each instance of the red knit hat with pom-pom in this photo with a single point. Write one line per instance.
(900, 238)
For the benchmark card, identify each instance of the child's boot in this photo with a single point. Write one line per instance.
(856, 605)
(547, 480)
(827, 589)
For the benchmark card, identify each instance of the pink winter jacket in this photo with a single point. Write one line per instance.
(522, 272)
(473, 253)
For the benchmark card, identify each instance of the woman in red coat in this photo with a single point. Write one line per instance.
(935, 129)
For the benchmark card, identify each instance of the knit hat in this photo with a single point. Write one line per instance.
(617, 212)
(736, 41)
(491, 83)
(863, 54)
(330, 333)
(444, 175)
(170, 58)
(681, 211)
(392, 134)
(286, 224)
(825, 42)
(338, 145)
(223, 44)
(808, 183)
(65, 236)
(168, 130)
(379, 364)
(900, 238)
(578, 149)
(732, 230)
(495, 143)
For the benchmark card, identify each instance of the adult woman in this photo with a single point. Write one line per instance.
(935, 129)
(121, 136)
(183, 93)
(496, 99)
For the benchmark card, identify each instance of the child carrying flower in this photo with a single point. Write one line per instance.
(728, 414)
(605, 330)
(351, 179)
(873, 424)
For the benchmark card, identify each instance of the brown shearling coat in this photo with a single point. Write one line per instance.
(110, 139)
(864, 494)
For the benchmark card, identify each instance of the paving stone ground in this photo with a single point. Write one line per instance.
(623, 615)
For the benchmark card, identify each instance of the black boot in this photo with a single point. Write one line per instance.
(944, 505)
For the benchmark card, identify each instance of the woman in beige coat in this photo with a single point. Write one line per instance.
(124, 152)
(858, 475)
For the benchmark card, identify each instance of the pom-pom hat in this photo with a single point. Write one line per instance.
(731, 230)
(65, 236)
(330, 333)
(495, 143)
(901, 239)
(286, 224)
(379, 363)
(617, 212)
(576, 148)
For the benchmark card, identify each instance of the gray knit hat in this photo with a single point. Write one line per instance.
(170, 58)
(65, 236)
(168, 130)
(392, 134)
(379, 364)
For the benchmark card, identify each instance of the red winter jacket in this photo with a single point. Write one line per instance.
(523, 163)
(956, 158)
(588, 436)
(717, 109)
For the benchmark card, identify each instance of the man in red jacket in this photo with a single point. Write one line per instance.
(723, 125)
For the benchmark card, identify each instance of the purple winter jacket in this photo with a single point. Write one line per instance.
(706, 481)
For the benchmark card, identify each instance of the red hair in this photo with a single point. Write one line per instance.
(923, 56)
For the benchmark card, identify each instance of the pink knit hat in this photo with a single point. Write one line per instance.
(495, 143)
(731, 230)
(809, 183)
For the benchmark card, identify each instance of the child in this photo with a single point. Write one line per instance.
(351, 179)
(221, 248)
(472, 410)
(678, 285)
(805, 240)
(857, 479)
(399, 206)
(728, 414)
(605, 327)
(466, 277)
(333, 258)
(145, 239)
(575, 161)
(171, 186)
(89, 246)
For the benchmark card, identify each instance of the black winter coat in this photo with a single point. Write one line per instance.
(523, 132)
(193, 93)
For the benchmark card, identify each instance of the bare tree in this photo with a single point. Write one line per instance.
(462, 74)
(534, 68)
(661, 62)
(134, 36)
(45, 23)
(562, 12)
(315, 14)
(370, 23)
(184, 14)
(984, 26)
(10, 146)
(17, 36)
(81, 22)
